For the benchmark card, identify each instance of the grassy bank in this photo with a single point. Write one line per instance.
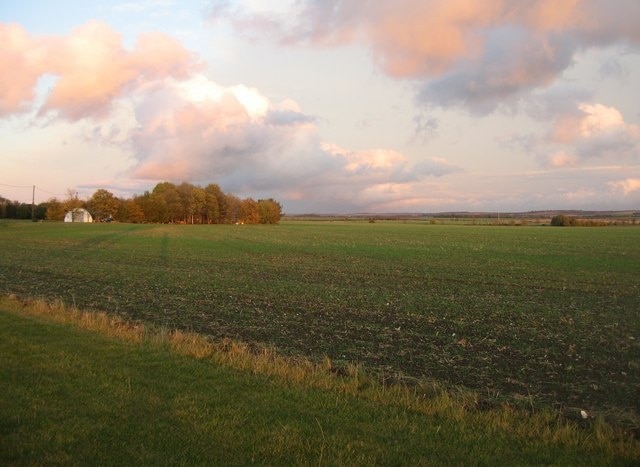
(90, 388)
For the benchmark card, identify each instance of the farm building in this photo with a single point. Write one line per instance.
(78, 215)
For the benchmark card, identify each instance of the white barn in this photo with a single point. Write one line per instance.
(78, 215)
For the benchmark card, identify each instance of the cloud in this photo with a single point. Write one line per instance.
(626, 187)
(576, 130)
(512, 62)
(287, 117)
(426, 127)
(92, 67)
(562, 159)
(147, 6)
(168, 122)
(200, 131)
(475, 55)
(596, 131)
(21, 64)
(614, 67)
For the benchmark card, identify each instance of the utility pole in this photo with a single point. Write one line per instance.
(33, 204)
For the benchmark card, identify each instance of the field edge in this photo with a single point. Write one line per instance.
(425, 397)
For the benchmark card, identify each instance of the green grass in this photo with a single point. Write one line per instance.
(84, 388)
(535, 315)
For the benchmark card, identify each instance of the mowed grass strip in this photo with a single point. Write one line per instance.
(87, 388)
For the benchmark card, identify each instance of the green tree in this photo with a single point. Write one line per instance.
(211, 208)
(167, 202)
(10, 209)
(216, 204)
(562, 220)
(199, 199)
(23, 210)
(193, 201)
(186, 201)
(154, 207)
(41, 211)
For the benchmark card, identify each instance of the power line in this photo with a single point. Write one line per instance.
(31, 186)
(16, 186)
(49, 193)
(33, 195)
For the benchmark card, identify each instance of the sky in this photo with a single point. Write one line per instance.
(335, 106)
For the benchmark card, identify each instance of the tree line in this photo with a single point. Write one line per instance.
(16, 210)
(563, 220)
(166, 203)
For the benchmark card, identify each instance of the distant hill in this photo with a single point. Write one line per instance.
(539, 216)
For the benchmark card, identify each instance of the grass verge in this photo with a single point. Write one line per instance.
(89, 387)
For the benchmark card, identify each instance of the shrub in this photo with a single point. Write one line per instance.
(562, 220)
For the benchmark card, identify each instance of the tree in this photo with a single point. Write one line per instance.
(561, 220)
(167, 202)
(270, 211)
(71, 202)
(216, 204)
(131, 211)
(186, 201)
(248, 213)
(55, 210)
(199, 199)
(23, 210)
(193, 200)
(41, 211)
(17, 210)
(211, 208)
(232, 213)
(103, 205)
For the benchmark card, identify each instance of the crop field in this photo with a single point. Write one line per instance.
(542, 315)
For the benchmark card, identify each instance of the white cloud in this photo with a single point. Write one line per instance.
(201, 131)
(168, 122)
(599, 119)
(578, 132)
(595, 131)
(626, 187)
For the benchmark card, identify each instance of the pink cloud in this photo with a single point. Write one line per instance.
(179, 125)
(367, 160)
(200, 131)
(594, 130)
(91, 65)
(562, 159)
(628, 186)
(459, 52)
(21, 64)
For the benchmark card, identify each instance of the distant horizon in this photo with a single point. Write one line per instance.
(462, 212)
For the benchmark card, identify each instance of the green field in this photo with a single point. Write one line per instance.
(86, 388)
(536, 315)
